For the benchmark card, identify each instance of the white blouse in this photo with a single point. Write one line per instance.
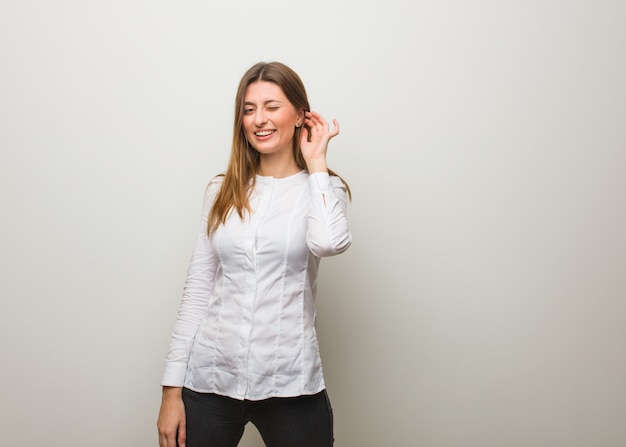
(246, 323)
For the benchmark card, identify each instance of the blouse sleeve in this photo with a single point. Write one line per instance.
(327, 232)
(197, 292)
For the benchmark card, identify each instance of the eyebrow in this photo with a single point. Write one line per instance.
(249, 103)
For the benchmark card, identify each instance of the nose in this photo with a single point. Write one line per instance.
(259, 117)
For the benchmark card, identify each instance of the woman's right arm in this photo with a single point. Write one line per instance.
(197, 293)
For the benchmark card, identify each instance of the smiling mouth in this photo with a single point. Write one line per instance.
(264, 133)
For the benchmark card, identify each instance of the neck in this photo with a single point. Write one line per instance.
(271, 165)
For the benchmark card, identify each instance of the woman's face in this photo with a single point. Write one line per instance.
(269, 119)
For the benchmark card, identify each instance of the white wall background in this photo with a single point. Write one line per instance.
(483, 302)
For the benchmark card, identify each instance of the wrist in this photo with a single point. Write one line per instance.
(172, 392)
(316, 165)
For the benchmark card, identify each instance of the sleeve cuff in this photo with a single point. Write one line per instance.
(320, 180)
(174, 374)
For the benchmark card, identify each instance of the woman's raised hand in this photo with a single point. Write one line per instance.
(314, 141)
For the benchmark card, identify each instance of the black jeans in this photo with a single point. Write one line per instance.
(218, 421)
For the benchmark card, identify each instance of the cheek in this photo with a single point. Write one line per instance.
(290, 133)
(289, 127)
(247, 124)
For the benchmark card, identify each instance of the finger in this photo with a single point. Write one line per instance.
(335, 130)
(182, 433)
(166, 440)
(317, 131)
(326, 126)
(317, 119)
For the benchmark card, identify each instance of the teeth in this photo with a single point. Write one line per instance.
(264, 133)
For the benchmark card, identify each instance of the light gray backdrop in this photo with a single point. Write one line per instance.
(483, 302)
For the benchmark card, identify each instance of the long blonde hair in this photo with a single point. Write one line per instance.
(243, 166)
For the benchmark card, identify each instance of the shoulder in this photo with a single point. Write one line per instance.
(214, 184)
(216, 181)
(211, 190)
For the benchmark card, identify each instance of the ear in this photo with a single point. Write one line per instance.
(300, 119)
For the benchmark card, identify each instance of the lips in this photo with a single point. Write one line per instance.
(264, 133)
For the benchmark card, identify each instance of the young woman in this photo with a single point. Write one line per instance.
(244, 347)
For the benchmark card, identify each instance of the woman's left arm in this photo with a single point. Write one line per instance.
(327, 230)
